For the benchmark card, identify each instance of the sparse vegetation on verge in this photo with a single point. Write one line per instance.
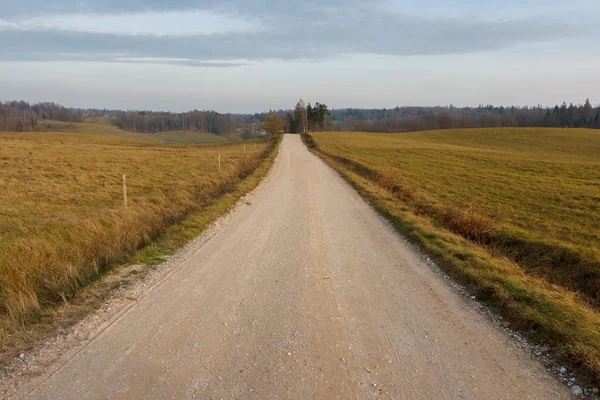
(62, 219)
(511, 212)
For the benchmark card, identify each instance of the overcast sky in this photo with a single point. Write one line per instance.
(253, 55)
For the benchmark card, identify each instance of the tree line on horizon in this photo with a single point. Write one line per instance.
(20, 116)
(156, 122)
(414, 118)
(409, 119)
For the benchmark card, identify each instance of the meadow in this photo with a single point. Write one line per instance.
(62, 214)
(105, 128)
(514, 213)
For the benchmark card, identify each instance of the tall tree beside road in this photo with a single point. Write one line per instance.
(273, 124)
(301, 117)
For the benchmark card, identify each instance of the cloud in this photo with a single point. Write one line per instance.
(30, 8)
(176, 23)
(253, 30)
(182, 61)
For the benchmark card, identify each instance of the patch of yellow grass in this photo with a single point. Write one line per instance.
(513, 213)
(62, 218)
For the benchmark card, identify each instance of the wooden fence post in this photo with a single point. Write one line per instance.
(125, 190)
(219, 162)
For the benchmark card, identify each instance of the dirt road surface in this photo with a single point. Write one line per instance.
(304, 294)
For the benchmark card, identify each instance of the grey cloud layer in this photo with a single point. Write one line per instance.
(305, 30)
(16, 8)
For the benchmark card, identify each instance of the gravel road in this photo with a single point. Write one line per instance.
(306, 293)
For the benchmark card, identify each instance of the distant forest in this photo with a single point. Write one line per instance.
(21, 116)
(401, 119)
(409, 119)
(155, 122)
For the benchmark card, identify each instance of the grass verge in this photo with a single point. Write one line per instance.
(459, 240)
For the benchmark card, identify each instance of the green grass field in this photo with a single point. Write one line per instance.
(512, 212)
(62, 218)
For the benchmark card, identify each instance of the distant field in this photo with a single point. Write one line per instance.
(62, 217)
(525, 200)
(103, 127)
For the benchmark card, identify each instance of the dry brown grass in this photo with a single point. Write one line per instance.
(62, 219)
